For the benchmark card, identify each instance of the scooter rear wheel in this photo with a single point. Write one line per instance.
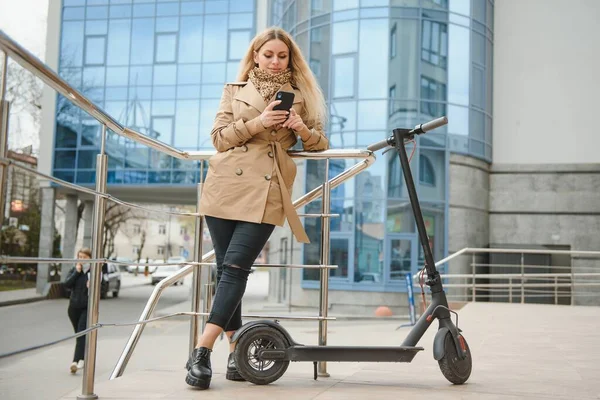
(455, 369)
(248, 362)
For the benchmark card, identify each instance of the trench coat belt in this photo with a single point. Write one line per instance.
(286, 198)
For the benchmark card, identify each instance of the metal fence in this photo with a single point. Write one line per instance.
(522, 276)
(200, 267)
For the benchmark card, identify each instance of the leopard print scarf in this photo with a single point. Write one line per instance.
(268, 84)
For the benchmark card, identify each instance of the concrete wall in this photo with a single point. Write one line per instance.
(468, 209)
(546, 85)
(538, 205)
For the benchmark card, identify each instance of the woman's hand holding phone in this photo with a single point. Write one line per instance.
(270, 117)
(294, 122)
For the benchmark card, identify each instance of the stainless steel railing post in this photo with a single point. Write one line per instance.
(4, 117)
(196, 276)
(324, 286)
(95, 275)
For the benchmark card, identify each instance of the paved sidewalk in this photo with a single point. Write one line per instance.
(519, 352)
(20, 296)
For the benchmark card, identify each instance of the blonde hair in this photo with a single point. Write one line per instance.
(303, 78)
(86, 250)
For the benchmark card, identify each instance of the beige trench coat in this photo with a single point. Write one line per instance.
(251, 176)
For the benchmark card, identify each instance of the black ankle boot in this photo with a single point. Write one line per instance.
(200, 372)
(232, 371)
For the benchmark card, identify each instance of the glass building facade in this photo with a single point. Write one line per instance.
(158, 67)
(386, 64)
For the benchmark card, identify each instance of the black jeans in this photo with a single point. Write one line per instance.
(236, 244)
(78, 317)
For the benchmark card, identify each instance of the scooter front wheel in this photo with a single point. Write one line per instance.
(455, 369)
(249, 364)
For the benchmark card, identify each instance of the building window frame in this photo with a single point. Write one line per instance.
(393, 41)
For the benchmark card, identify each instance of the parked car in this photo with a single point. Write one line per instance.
(140, 268)
(164, 271)
(123, 261)
(111, 280)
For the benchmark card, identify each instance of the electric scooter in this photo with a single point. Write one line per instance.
(264, 348)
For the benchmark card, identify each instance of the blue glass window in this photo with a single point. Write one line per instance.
(142, 41)
(119, 42)
(167, 24)
(187, 119)
(190, 40)
(162, 129)
(140, 76)
(70, 13)
(144, 10)
(167, 9)
(120, 11)
(343, 73)
(238, 44)
(96, 12)
(216, 7)
(237, 21)
(374, 35)
(166, 48)
(215, 38)
(72, 44)
(192, 8)
(165, 75)
(117, 76)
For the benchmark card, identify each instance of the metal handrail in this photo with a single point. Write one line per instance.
(52, 79)
(155, 296)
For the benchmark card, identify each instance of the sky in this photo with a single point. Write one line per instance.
(25, 22)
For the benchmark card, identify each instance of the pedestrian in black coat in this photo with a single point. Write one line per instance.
(78, 282)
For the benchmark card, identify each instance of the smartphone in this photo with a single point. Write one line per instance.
(287, 100)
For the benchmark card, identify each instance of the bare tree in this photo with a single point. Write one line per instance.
(116, 217)
(24, 92)
(142, 243)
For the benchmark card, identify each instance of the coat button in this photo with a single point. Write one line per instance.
(270, 154)
(273, 133)
(268, 177)
(244, 148)
(239, 171)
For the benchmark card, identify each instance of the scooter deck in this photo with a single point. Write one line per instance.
(343, 353)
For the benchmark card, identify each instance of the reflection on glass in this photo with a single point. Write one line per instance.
(215, 38)
(372, 68)
(345, 37)
(458, 65)
(344, 4)
(186, 124)
(117, 76)
(339, 256)
(165, 74)
(434, 43)
(190, 40)
(162, 128)
(400, 258)
(94, 50)
(142, 41)
(238, 43)
(372, 114)
(166, 47)
(370, 231)
(432, 175)
(343, 77)
(433, 216)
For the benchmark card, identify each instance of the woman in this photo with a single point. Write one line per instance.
(77, 281)
(249, 183)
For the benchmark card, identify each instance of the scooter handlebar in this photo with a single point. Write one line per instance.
(427, 126)
(379, 145)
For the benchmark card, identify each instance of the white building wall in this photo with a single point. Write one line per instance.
(546, 65)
